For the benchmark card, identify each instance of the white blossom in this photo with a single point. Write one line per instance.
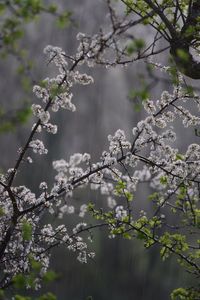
(120, 212)
(38, 147)
(111, 202)
(83, 210)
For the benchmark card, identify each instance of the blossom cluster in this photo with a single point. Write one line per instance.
(55, 93)
(147, 158)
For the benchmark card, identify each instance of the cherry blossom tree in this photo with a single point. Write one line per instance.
(148, 157)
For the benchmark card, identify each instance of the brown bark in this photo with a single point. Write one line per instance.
(186, 63)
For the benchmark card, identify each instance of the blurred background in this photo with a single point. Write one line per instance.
(121, 269)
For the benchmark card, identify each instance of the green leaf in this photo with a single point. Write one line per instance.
(64, 20)
(52, 8)
(19, 297)
(143, 94)
(129, 4)
(129, 196)
(30, 280)
(36, 265)
(2, 294)
(50, 276)
(183, 55)
(48, 296)
(1, 213)
(19, 281)
(127, 236)
(179, 156)
(26, 230)
(139, 44)
(6, 126)
(163, 180)
(154, 196)
(179, 293)
(23, 115)
(135, 46)
(2, 8)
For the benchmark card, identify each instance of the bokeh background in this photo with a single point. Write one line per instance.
(121, 270)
